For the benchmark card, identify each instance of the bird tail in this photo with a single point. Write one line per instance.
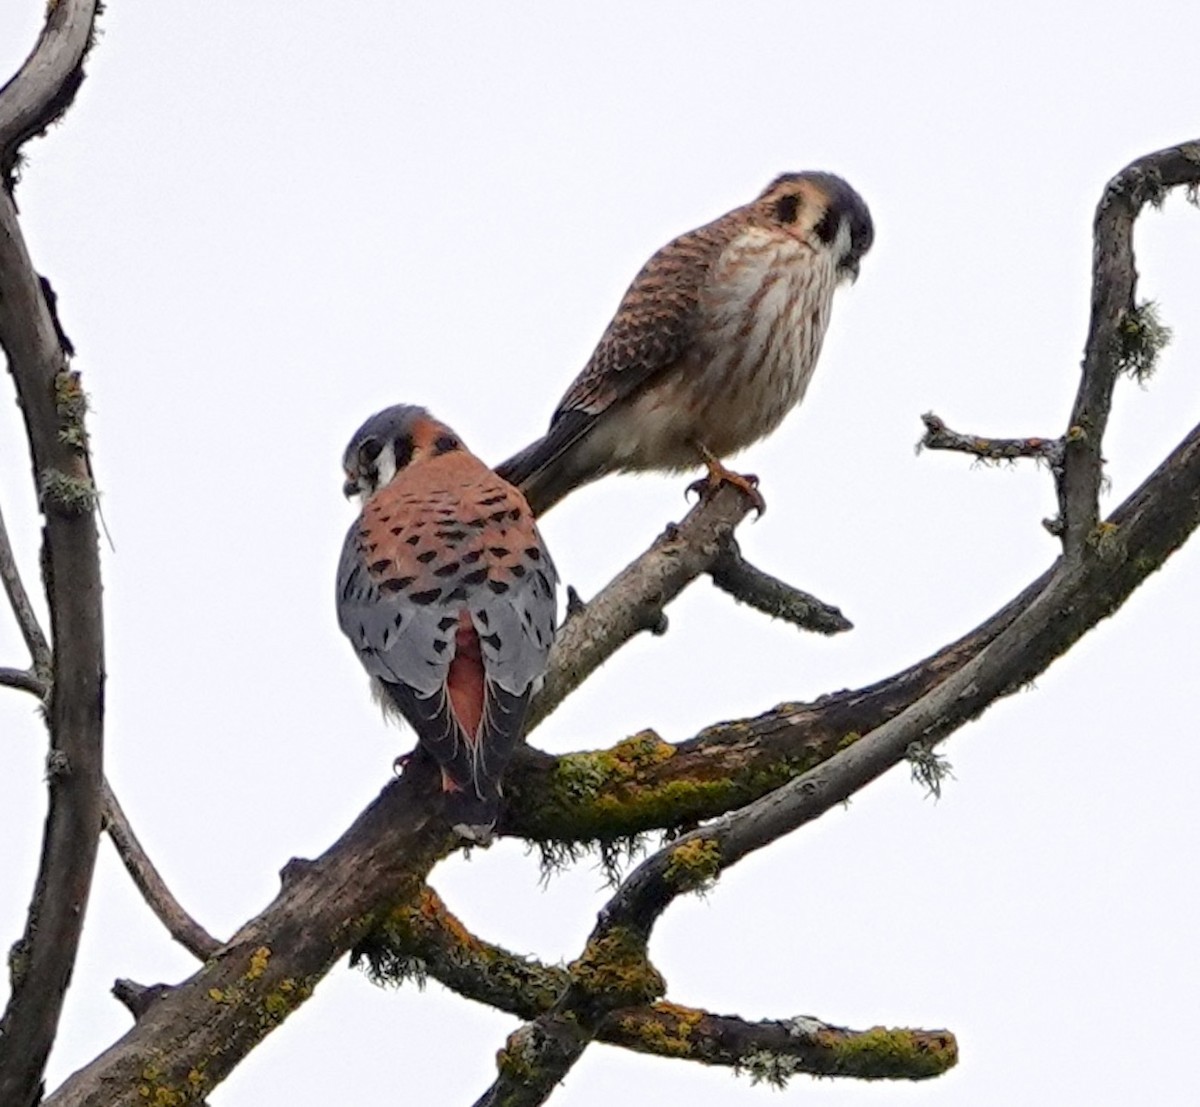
(549, 468)
(472, 812)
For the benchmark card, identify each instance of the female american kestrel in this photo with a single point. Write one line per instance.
(446, 591)
(713, 344)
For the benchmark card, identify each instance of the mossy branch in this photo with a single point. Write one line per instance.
(424, 939)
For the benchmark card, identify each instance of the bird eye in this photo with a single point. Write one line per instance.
(787, 208)
(369, 450)
(445, 444)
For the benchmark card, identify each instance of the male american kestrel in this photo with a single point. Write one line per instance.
(446, 591)
(712, 345)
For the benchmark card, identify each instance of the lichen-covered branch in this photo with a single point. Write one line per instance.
(644, 783)
(732, 573)
(938, 436)
(424, 939)
(1119, 337)
(181, 926)
(42, 960)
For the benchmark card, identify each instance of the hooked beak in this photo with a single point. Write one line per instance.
(350, 488)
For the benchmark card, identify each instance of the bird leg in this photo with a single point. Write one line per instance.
(719, 475)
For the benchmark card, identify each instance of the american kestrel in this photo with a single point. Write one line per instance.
(446, 591)
(711, 346)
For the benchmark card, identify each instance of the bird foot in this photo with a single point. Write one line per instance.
(401, 762)
(719, 475)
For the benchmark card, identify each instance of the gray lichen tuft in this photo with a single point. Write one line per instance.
(929, 768)
(1142, 336)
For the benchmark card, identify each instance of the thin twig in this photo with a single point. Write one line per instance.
(732, 573)
(24, 679)
(18, 598)
(181, 926)
(938, 436)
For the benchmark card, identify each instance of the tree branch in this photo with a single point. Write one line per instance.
(424, 939)
(938, 436)
(24, 679)
(18, 598)
(181, 926)
(1080, 592)
(195, 1034)
(1116, 340)
(45, 85)
(732, 573)
(42, 960)
(633, 601)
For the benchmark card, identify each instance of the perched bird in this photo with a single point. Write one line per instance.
(711, 346)
(446, 591)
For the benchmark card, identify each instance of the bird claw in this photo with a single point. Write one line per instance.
(401, 762)
(747, 483)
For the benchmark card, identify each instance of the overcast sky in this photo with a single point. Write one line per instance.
(266, 221)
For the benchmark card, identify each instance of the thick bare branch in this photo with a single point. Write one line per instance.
(424, 939)
(18, 598)
(181, 926)
(732, 573)
(42, 960)
(45, 85)
(1114, 334)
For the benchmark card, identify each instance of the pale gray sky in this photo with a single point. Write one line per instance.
(266, 221)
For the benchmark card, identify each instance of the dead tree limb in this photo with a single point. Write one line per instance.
(53, 408)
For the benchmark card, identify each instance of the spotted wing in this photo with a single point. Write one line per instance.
(445, 586)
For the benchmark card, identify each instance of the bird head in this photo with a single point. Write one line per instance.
(389, 442)
(821, 206)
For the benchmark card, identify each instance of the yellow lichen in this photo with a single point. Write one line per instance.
(693, 864)
(258, 963)
(615, 966)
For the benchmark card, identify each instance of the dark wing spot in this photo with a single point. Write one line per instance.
(412, 539)
(498, 551)
(398, 620)
(787, 208)
(380, 565)
(439, 645)
(447, 570)
(445, 443)
(459, 593)
(498, 586)
(492, 500)
(472, 557)
(426, 597)
(533, 553)
(497, 516)
(478, 576)
(490, 640)
(447, 622)
(518, 571)
(477, 524)
(545, 583)
(396, 584)
(484, 618)
(397, 531)
(426, 557)
(515, 514)
(452, 536)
